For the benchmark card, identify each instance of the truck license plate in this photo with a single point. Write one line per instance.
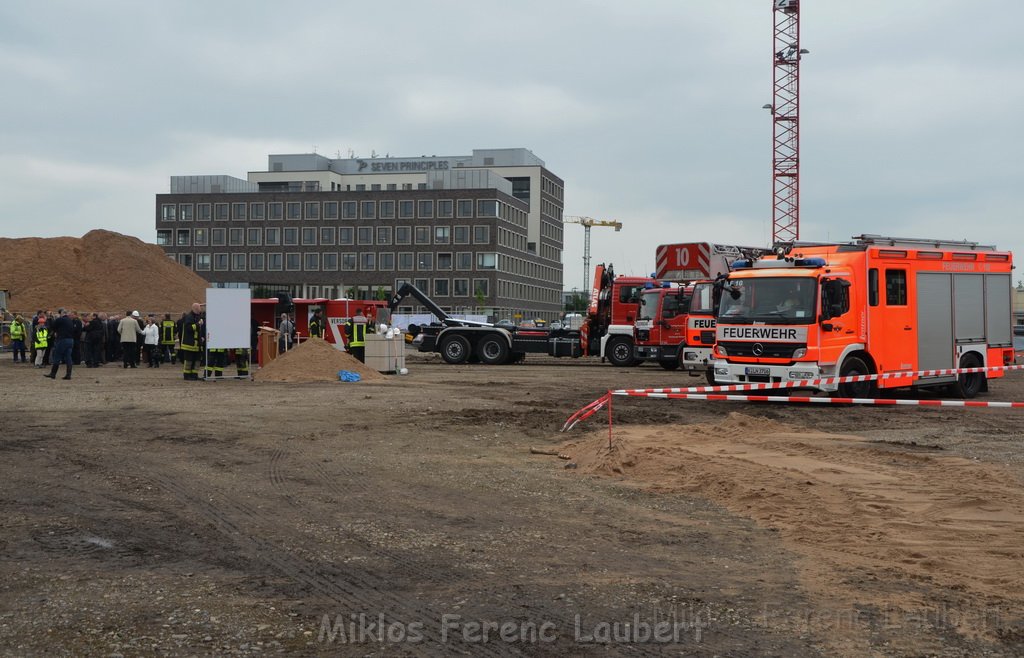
(757, 371)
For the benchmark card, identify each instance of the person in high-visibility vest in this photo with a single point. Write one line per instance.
(242, 362)
(40, 343)
(168, 328)
(356, 331)
(18, 334)
(191, 341)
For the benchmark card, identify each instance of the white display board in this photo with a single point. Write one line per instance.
(228, 318)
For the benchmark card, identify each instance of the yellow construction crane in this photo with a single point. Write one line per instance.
(587, 222)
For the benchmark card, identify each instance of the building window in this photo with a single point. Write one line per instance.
(204, 212)
(365, 235)
(486, 208)
(275, 262)
(294, 209)
(185, 212)
(444, 261)
(330, 260)
(348, 209)
(368, 209)
(220, 212)
(182, 237)
(422, 235)
(238, 211)
(386, 261)
(442, 234)
(460, 287)
(257, 211)
(330, 209)
(375, 187)
(312, 210)
(345, 235)
(312, 263)
(387, 209)
(486, 261)
(460, 234)
(185, 259)
(327, 235)
(276, 210)
(236, 237)
(291, 236)
(309, 235)
(403, 235)
(481, 234)
(424, 261)
(200, 237)
(390, 187)
(273, 236)
(405, 209)
(254, 237)
(293, 261)
(465, 207)
(256, 262)
(220, 262)
(405, 260)
(464, 260)
(238, 262)
(202, 262)
(348, 262)
(163, 238)
(383, 235)
(441, 288)
(368, 261)
(426, 209)
(360, 187)
(168, 212)
(481, 287)
(422, 284)
(444, 208)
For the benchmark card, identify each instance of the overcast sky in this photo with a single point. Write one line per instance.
(911, 110)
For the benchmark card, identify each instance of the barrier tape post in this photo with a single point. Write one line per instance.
(609, 420)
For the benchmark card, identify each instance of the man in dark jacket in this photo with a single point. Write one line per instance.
(63, 331)
(76, 348)
(95, 334)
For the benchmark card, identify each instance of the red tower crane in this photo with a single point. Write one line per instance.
(785, 109)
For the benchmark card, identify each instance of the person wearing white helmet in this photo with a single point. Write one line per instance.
(129, 331)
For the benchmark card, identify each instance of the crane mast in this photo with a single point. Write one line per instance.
(587, 223)
(785, 109)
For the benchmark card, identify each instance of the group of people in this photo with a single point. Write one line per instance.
(96, 339)
(355, 332)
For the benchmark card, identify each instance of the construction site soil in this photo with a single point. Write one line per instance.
(102, 271)
(142, 514)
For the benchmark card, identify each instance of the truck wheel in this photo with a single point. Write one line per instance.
(669, 365)
(709, 375)
(493, 350)
(855, 366)
(620, 352)
(969, 384)
(455, 349)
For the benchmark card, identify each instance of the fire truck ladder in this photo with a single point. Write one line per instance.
(587, 223)
(785, 109)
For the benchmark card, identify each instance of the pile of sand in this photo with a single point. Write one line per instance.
(314, 361)
(102, 271)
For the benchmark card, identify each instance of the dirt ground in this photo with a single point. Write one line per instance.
(141, 514)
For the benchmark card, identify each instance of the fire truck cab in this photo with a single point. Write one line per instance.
(876, 305)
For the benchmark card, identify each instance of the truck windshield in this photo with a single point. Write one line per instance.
(774, 300)
(649, 305)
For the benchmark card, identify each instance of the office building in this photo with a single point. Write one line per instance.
(479, 234)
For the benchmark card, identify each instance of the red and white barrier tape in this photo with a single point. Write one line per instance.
(718, 393)
(811, 383)
(816, 400)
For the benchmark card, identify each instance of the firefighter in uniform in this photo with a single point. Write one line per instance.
(316, 325)
(168, 328)
(356, 330)
(217, 359)
(191, 342)
(242, 362)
